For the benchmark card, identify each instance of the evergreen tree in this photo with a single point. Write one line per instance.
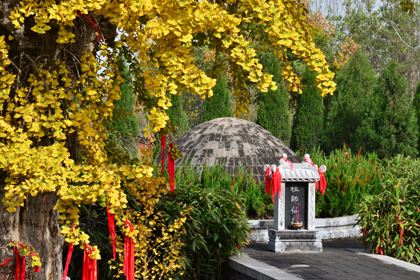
(347, 120)
(273, 107)
(178, 116)
(308, 125)
(124, 127)
(397, 128)
(220, 104)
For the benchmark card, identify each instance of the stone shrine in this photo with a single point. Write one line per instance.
(294, 210)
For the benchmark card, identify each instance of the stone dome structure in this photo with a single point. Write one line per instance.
(233, 143)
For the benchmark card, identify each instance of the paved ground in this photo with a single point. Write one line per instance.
(340, 259)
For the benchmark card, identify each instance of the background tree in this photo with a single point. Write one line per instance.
(220, 104)
(308, 123)
(178, 116)
(387, 31)
(273, 107)
(396, 123)
(352, 99)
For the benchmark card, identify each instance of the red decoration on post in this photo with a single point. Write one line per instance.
(112, 234)
(128, 263)
(322, 182)
(20, 269)
(276, 183)
(163, 146)
(68, 259)
(90, 269)
(171, 169)
(267, 180)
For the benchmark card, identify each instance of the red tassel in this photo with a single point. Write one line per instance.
(267, 180)
(90, 269)
(171, 169)
(20, 265)
(128, 263)
(163, 146)
(68, 259)
(276, 183)
(112, 234)
(322, 182)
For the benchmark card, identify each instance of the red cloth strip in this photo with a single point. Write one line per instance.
(68, 259)
(112, 233)
(276, 183)
(128, 263)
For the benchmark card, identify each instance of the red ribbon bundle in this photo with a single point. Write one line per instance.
(128, 263)
(20, 265)
(112, 234)
(90, 269)
(276, 183)
(163, 146)
(322, 182)
(171, 169)
(68, 259)
(267, 180)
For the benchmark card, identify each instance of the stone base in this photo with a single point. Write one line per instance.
(293, 241)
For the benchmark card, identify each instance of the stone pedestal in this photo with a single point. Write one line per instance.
(293, 241)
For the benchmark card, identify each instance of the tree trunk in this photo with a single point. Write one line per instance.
(35, 224)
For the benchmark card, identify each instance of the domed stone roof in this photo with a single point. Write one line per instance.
(233, 143)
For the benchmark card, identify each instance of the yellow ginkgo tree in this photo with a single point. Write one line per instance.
(59, 79)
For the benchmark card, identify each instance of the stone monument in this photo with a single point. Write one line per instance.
(294, 209)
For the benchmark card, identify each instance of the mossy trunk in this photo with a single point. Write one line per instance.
(35, 224)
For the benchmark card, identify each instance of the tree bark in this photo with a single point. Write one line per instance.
(35, 224)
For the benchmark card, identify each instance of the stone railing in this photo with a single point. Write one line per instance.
(328, 228)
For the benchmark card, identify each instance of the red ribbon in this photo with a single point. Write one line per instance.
(267, 180)
(128, 263)
(171, 169)
(276, 183)
(20, 265)
(112, 234)
(322, 182)
(6, 262)
(68, 259)
(163, 146)
(90, 269)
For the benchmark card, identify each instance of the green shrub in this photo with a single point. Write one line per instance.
(348, 177)
(390, 220)
(215, 230)
(258, 204)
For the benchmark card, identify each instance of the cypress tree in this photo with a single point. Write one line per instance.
(417, 109)
(273, 107)
(124, 127)
(220, 104)
(397, 128)
(347, 120)
(178, 116)
(308, 125)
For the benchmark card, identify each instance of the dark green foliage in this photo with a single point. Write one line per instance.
(417, 109)
(308, 125)
(273, 107)
(349, 176)
(396, 121)
(348, 118)
(390, 220)
(123, 129)
(216, 226)
(220, 104)
(178, 116)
